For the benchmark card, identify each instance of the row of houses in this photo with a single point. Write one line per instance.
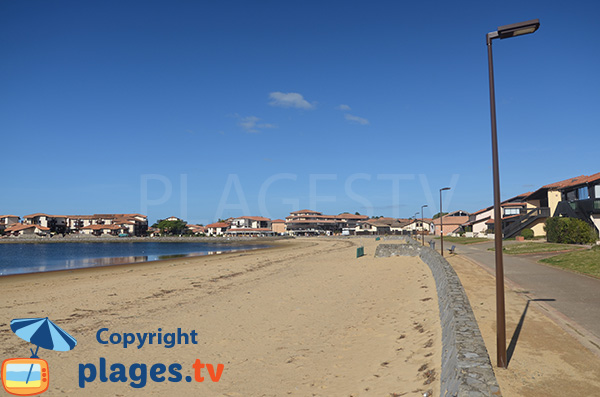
(577, 197)
(298, 223)
(256, 226)
(309, 223)
(98, 224)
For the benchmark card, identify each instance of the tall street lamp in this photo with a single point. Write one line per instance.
(503, 32)
(422, 234)
(442, 220)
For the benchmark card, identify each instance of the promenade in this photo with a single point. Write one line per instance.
(574, 296)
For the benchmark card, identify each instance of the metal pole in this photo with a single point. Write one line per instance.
(422, 234)
(441, 225)
(500, 313)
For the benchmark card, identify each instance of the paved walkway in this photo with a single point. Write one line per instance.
(575, 296)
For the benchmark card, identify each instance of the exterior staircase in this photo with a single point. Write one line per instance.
(526, 218)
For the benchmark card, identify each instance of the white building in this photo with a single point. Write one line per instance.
(250, 226)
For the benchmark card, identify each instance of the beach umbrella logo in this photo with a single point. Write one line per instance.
(29, 376)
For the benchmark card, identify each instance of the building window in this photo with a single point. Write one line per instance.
(511, 211)
(597, 191)
(582, 193)
(571, 195)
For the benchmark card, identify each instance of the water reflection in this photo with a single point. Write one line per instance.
(35, 258)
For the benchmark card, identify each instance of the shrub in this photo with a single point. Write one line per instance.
(527, 233)
(569, 231)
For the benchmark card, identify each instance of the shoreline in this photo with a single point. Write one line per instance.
(112, 239)
(158, 261)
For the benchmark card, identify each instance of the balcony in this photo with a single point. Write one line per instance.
(585, 206)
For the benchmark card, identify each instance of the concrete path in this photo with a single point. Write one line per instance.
(576, 296)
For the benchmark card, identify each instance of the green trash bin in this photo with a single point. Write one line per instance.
(360, 251)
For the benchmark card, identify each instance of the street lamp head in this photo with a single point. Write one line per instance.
(517, 29)
(445, 188)
(423, 206)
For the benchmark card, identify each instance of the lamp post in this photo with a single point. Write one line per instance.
(422, 235)
(416, 216)
(503, 32)
(442, 221)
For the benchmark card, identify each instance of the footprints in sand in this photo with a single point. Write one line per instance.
(418, 349)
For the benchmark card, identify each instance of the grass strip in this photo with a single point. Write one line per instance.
(581, 261)
(464, 240)
(533, 248)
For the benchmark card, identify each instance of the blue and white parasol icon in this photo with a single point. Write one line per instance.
(43, 333)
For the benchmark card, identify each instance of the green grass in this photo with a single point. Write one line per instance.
(533, 248)
(581, 261)
(464, 240)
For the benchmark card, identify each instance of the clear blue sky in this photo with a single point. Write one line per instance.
(216, 109)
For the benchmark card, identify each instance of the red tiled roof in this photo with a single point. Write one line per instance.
(249, 229)
(122, 221)
(101, 227)
(483, 210)
(449, 219)
(278, 221)
(594, 178)
(305, 212)
(312, 216)
(568, 182)
(8, 216)
(351, 216)
(254, 218)
(512, 205)
(491, 220)
(18, 226)
(218, 224)
(40, 214)
(311, 221)
(469, 223)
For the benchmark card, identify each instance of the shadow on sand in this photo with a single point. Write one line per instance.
(513, 341)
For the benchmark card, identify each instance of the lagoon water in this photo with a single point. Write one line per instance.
(34, 258)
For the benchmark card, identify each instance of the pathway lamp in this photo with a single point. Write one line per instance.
(422, 234)
(503, 32)
(442, 221)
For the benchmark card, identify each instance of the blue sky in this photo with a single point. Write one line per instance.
(215, 109)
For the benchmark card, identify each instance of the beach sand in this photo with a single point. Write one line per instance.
(303, 318)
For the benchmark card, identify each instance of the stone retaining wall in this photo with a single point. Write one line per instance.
(466, 366)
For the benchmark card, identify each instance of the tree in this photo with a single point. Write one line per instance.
(439, 214)
(357, 213)
(171, 227)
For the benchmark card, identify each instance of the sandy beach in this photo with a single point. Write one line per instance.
(303, 318)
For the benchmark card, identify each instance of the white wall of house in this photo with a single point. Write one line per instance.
(216, 231)
(596, 220)
(241, 223)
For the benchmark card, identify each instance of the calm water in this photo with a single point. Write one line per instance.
(33, 258)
